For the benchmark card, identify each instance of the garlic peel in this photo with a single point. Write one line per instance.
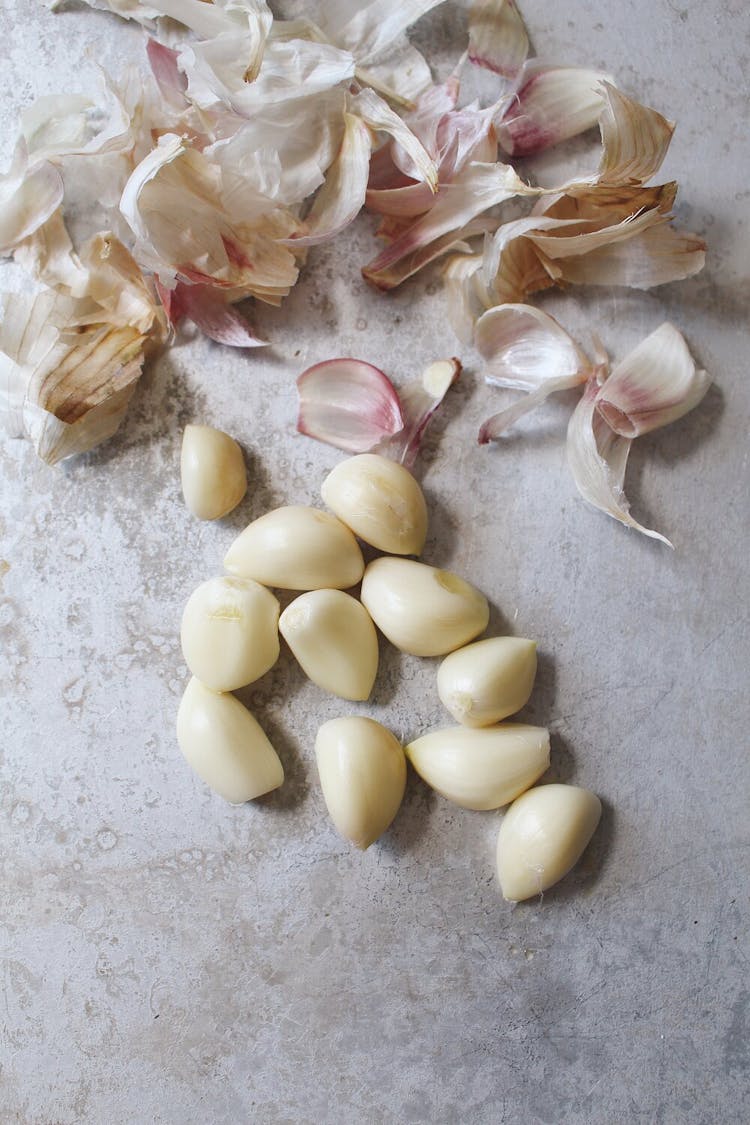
(481, 768)
(363, 776)
(30, 192)
(497, 37)
(597, 458)
(297, 548)
(380, 501)
(635, 139)
(229, 632)
(348, 403)
(420, 609)
(226, 746)
(333, 638)
(655, 384)
(551, 104)
(542, 836)
(421, 398)
(488, 680)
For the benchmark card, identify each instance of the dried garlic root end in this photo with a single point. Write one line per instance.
(226, 746)
(487, 681)
(362, 772)
(212, 470)
(542, 836)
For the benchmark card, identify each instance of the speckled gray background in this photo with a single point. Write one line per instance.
(169, 958)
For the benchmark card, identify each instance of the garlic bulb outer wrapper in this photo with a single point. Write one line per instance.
(225, 745)
(485, 682)
(542, 836)
(212, 470)
(297, 548)
(420, 609)
(362, 772)
(334, 640)
(380, 501)
(230, 633)
(481, 769)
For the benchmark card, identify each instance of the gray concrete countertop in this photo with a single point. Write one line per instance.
(169, 958)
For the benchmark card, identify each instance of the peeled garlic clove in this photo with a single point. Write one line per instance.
(542, 836)
(297, 548)
(420, 609)
(225, 745)
(363, 775)
(380, 501)
(333, 638)
(481, 769)
(213, 473)
(483, 683)
(230, 632)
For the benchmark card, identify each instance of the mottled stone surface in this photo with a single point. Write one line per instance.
(168, 958)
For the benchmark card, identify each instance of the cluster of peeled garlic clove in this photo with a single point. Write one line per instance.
(230, 638)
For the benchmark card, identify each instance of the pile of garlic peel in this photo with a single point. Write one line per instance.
(253, 139)
(230, 638)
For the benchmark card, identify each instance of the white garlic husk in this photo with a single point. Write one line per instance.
(362, 772)
(212, 470)
(297, 548)
(332, 636)
(420, 609)
(229, 633)
(542, 836)
(380, 501)
(484, 682)
(225, 745)
(481, 769)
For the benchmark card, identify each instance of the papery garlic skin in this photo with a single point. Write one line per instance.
(420, 609)
(226, 746)
(297, 548)
(485, 682)
(229, 632)
(362, 772)
(212, 470)
(380, 501)
(481, 769)
(542, 836)
(334, 640)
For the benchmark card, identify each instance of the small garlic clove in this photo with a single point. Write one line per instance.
(230, 632)
(420, 609)
(363, 776)
(225, 745)
(481, 769)
(213, 473)
(485, 682)
(380, 501)
(543, 835)
(297, 548)
(332, 636)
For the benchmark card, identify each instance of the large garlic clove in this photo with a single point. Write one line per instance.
(230, 632)
(333, 638)
(420, 609)
(297, 548)
(363, 775)
(483, 683)
(543, 834)
(225, 745)
(213, 473)
(481, 769)
(380, 501)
